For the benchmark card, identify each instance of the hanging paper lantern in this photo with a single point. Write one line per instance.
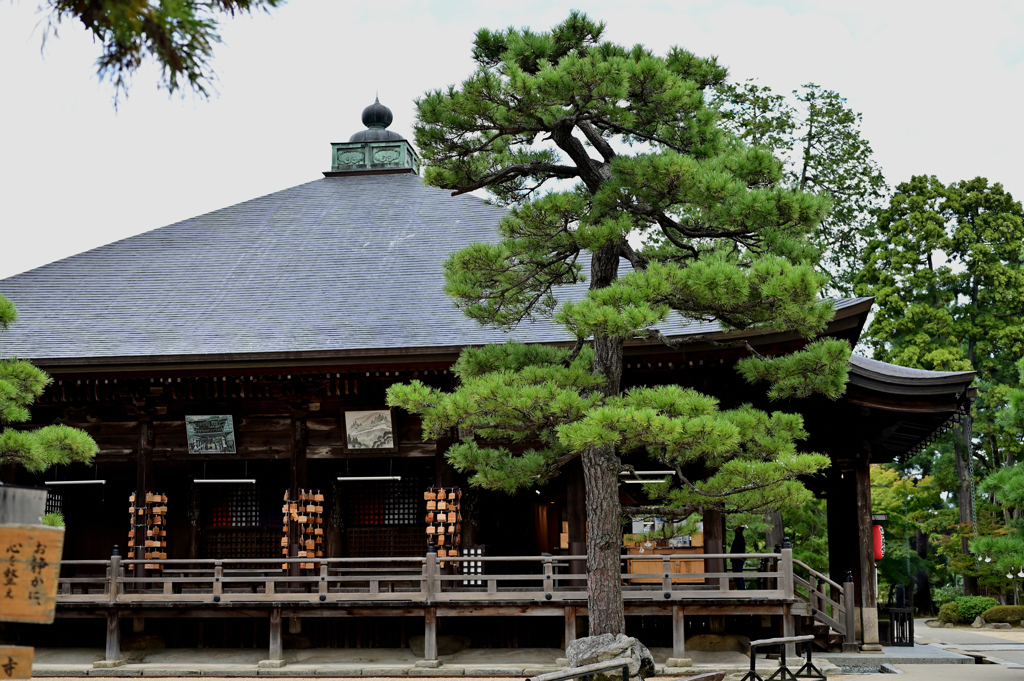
(879, 542)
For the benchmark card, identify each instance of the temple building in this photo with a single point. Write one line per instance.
(232, 368)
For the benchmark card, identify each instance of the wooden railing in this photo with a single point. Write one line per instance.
(836, 610)
(537, 579)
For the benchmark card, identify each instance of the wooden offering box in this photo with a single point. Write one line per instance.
(653, 565)
(444, 520)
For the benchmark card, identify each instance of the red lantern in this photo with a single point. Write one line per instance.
(879, 536)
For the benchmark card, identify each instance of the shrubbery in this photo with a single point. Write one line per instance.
(945, 594)
(971, 607)
(949, 613)
(965, 609)
(1010, 614)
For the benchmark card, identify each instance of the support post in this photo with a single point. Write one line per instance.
(849, 616)
(430, 633)
(714, 542)
(576, 510)
(868, 595)
(678, 632)
(276, 649)
(143, 482)
(113, 652)
(788, 629)
(787, 585)
(113, 584)
(570, 625)
(300, 437)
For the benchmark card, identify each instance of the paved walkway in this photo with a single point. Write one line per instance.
(999, 646)
(379, 662)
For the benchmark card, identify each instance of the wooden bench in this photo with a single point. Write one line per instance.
(807, 671)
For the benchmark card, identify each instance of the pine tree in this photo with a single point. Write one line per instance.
(591, 145)
(20, 385)
(178, 37)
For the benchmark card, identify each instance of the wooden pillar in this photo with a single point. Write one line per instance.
(576, 509)
(113, 651)
(300, 437)
(444, 473)
(840, 508)
(866, 558)
(570, 625)
(276, 649)
(714, 542)
(143, 483)
(430, 633)
(678, 632)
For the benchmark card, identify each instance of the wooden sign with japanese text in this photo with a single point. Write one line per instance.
(16, 662)
(29, 568)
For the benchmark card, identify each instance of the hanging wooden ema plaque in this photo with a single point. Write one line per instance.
(444, 520)
(16, 662)
(28, 579)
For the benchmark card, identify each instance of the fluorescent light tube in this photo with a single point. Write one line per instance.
(225, 481)
(642, 482)
(351, 478)
(648, 473)
(75, 482)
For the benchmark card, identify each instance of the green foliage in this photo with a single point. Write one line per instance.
(969, 608)
(1008, 614)
(941, 595)
(55, 519)
(178, 36)
(946, 266)
(949, 613)
(592, 146)
(20, 385)
(819, 138)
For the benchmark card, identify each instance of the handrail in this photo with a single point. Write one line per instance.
(407, 578)
(816, 573)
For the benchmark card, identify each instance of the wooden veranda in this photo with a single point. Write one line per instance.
(418, 587)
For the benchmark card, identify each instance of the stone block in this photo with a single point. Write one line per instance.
(107, 664)
(270, 664)
(434, 671)
(385, 671)
(679, 662)
(429, 664)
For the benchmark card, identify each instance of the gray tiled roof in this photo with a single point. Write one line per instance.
(337, 264)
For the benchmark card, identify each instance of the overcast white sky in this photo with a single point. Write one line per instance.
(939, 85)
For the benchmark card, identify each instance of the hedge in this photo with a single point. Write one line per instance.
(1010, 614)
(971, 607)
(949, 613)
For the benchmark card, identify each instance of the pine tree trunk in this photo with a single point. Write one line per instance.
(962, 450)
(604, 521)
(601, 468)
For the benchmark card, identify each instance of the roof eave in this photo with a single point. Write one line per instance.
(847, 319)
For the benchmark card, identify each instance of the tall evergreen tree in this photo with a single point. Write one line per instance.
(592, 144)
(819, 137)
(946, 266)
(20, 385)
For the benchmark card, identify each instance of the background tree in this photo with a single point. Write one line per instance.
(178, 36)
(637, 149)
(20, 385)
(819, 137)
(946, 266)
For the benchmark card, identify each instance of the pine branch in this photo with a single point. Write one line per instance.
(516, 171)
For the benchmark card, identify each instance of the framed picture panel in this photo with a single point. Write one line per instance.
(372, 430)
